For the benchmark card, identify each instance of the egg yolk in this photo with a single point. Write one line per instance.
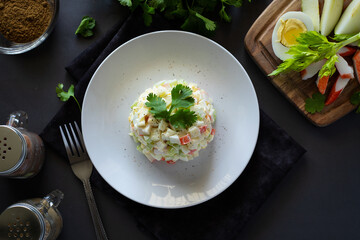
(289, 30)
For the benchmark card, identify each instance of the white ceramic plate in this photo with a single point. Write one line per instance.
(137, 65)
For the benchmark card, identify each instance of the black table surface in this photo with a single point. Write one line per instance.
(318, 199)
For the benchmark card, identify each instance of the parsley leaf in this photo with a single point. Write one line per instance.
(65, 96)
(125, 2)
(147, 12)
(183, 118)
(355, 100)
(223, 14)
(181, 101)
(315, 104)
(86, 26)
(209, 24)
(157, 106)
(181, 97)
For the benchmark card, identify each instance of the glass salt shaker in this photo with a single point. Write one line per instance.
(22, 152)
(33, 219)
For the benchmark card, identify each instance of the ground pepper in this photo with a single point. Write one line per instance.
(23, 21)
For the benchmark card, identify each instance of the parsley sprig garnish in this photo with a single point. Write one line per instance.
(315, 104)
(179, 114)
(313, 47)
(66, 95)
(86, 27)
(355, 100)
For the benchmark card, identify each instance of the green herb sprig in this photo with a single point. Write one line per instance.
(86, 27)
(181, 101)
(313, 47)
(66, 95)
(315, 104)
(195, 15)
(355, 100)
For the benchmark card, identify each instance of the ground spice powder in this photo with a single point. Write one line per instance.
(23, 21)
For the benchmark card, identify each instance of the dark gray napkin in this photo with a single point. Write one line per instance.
(222, 217)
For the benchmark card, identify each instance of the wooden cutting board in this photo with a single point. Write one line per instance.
(296, 90)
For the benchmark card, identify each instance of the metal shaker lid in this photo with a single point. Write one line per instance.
(21, 222)
(12, 149)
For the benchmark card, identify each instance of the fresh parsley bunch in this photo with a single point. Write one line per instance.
(194, 14)
(181, 101)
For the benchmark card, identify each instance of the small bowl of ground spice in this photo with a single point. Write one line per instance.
(25, 24)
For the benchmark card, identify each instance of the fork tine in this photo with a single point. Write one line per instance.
(80, 137)
(67, 148)
(71, 143)
(78, 147)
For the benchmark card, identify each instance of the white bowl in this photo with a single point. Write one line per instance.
(139, 64)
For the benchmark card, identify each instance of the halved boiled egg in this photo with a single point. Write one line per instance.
(287, 29)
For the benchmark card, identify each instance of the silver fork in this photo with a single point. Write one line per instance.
(82, 168)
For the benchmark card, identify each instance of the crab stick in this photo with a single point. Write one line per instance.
(322, 83)
(312, 69)
(336, 89)
(344, 69)
(356, 61)
(346, 51)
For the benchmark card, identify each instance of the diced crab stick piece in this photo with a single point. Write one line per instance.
(346, 51)
(170, 162)
(203, 129)
(192, 151)
(185, 139)
(322, 83)
(356, 60)
(312, 69)
(213, 131)
(336, 89)
(344, 69)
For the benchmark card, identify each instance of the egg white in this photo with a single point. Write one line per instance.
(278, 48)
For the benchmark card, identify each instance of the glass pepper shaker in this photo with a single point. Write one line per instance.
(33, 219)
(22, 152)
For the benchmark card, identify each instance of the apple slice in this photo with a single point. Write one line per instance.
(311, 8)
(350, 19)
(330, 15)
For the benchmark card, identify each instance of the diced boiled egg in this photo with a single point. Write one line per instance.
(194, 131)
(174, 139)
(155, 134)
(162, 125)
(144, 130)
(287, 29)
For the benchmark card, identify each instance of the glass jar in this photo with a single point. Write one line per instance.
(36, 219)
(22, 152)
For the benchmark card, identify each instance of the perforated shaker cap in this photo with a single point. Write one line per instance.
(12, 149)
(21, 222)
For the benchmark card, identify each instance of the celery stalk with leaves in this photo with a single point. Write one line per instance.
(313, 47)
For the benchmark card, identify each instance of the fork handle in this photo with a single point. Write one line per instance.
(99, 228)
